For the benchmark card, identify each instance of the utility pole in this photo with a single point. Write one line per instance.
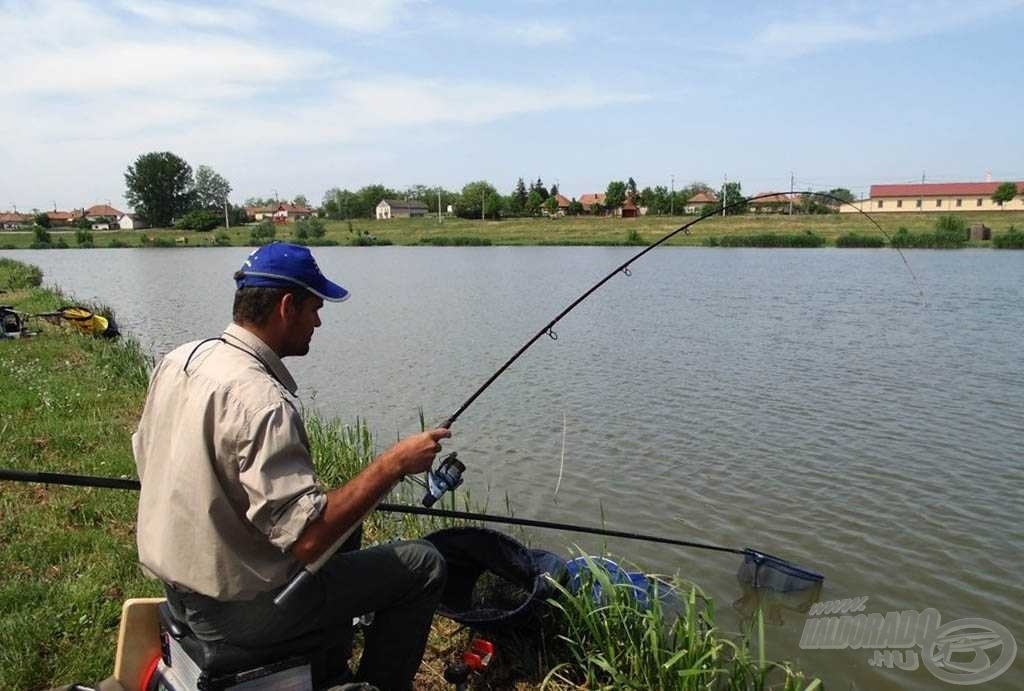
(920, 197)
(725, 198)
(438, 203)
(791, 177)
(227, 223)
(483, 204)
(672, 197)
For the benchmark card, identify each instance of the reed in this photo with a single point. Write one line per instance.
(1012, 239)
(805, 239)
(860, 240)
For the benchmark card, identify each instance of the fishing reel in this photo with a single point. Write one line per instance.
(445, 478)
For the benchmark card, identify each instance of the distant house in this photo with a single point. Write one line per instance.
(131, 222)
(258, 213)
(696, 203)
(288, 213)
(102, 212)
(774, 203)
(942, 197)
(11, 220)
(589, 200)
(60, 218)
(393, 208)
(563, 206)
(628, 209)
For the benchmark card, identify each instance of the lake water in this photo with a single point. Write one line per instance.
(815, 404)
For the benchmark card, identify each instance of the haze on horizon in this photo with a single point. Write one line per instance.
(298, 96)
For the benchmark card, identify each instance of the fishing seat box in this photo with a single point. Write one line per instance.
(196, 664)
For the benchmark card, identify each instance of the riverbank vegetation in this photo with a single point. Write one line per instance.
(70, 405)
(578, 230)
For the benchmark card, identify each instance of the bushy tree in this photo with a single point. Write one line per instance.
(478, 198)
(300, 200)
(199, 219)
(369, 197)
(312, 227)
(631, 188)
(41, 236)
(159, 187)
(1004, 193)
(615, 195)
(533, 203)
(41, 220)
(575, 207)
(551, 205)
(263, 232)
(211, 189)
(83, 237)
(554, 190)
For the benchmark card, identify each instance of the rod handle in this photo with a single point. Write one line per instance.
(294, 585)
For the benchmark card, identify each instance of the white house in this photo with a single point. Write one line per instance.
(393, 208)
(131, 222)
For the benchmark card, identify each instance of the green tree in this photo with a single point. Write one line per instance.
(540, 189)
(518, 199)
(533, 203)
(368, 199)
(479, 198)
(554, 190)
(575, 207)
(199, 219)
(83, 237)
(300, 200)
(551, 205)
(631, 188)
(843, 194)
(733, 194)
(263, 232)
(211, 189)
(41, 220)
(615, 195)
(159, 187)
(1004, 193)
(40, 235)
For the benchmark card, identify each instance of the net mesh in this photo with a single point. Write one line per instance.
(760, 570)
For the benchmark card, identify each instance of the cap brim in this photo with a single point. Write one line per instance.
(330, 291)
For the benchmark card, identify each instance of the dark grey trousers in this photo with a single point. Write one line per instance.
(401, 582)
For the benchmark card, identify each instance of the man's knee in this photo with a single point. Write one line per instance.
(427, 563)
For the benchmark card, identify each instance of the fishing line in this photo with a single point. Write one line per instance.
(548, 329)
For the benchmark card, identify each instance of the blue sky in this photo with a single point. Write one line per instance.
(296, 96)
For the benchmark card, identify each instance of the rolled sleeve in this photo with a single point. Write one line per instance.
(276, 472)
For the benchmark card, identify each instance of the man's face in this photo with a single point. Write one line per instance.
(304, 319)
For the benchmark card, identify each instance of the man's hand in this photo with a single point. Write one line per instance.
(416, 454)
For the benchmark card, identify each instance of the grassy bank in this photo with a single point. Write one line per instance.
(70, 404)
(543, 231)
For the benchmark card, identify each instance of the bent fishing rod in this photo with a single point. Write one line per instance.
(623, 268)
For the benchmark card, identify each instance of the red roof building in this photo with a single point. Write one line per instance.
(939, 197)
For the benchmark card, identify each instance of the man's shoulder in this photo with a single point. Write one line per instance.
(230, 371)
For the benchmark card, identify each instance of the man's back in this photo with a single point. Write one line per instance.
(227, 480)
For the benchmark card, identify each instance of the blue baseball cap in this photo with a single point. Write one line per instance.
(280, 265)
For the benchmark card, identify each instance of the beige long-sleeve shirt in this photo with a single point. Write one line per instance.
(227, 478)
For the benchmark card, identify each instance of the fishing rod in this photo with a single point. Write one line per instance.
(623, 268)
(754, 561)
(132, 484)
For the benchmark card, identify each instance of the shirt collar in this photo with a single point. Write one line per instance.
(265, 354)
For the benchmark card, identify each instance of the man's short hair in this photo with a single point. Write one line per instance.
(255, 304)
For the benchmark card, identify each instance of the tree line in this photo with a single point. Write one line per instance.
(162, 188)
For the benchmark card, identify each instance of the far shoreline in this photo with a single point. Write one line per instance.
(563, 231)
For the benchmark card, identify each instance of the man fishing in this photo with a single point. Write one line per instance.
(231, 508)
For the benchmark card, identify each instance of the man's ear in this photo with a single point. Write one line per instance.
(287, 307)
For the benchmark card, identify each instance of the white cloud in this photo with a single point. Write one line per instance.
(805, 32)
(178, 13)
(354, 15)
(538, 33)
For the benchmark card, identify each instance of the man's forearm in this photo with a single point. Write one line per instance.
(347, 506)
